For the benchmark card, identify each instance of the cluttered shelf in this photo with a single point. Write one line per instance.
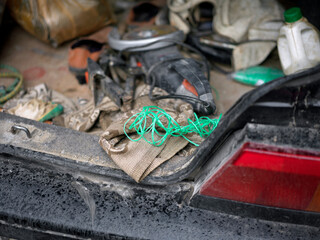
(165, 71)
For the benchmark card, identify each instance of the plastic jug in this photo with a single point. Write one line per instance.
(298, 43)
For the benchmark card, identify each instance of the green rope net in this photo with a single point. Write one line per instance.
(159, 125)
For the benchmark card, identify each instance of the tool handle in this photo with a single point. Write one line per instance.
(171, 75)
(193, 74)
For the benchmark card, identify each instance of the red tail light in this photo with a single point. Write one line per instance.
(276, 177)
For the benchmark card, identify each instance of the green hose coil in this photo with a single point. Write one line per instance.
(14, 88)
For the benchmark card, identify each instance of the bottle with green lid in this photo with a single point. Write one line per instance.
(298, 43)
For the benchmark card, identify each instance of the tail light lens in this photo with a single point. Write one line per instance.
(269, 176)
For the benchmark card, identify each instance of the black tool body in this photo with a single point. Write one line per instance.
(181, 77)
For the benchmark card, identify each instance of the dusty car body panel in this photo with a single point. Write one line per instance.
(41, 203)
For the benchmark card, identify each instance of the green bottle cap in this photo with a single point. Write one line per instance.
(292, 15)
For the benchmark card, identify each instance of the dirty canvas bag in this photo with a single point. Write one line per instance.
(139, 159)
(252, 25)
(84, 118)
(57, 21)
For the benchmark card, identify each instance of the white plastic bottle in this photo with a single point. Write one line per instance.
(298, 43)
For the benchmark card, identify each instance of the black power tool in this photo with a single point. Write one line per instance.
(156, 50)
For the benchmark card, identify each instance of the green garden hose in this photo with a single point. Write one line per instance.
(14, 88)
